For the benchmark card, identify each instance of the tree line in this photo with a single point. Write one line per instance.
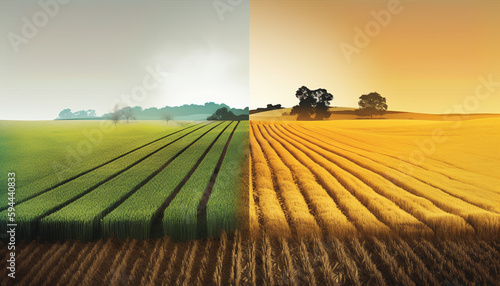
(165, 113)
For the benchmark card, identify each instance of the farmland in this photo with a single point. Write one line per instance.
(129, 190)
(372, 202)
(425, 179)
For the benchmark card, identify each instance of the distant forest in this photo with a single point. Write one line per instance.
(184, 112)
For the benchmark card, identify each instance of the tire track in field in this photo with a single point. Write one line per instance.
(483, 221)
(103, 164)
(202, 206)
(76, 197)
(161, 211)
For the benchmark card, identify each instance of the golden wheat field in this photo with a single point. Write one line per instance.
(380, 178)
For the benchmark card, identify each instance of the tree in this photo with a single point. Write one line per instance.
(312, 102)
(371, 104)
(167, 117)
(116, 114)
(127, 113)
(273, 107)
(66, 114)
(222, 114)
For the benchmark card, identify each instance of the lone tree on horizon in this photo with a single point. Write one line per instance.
(312, 102)
(127, 113)
(116, 114)
(167, 117)
(371, 104)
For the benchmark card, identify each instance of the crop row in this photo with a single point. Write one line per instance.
(180, 219)
(66, 166)
(224, 204)
(485, 222)
(482, 197)
(295, 205)
(136, 216)
(345, 186)
(82, 218)
(333, 221)
(273, 217)
(31, 211)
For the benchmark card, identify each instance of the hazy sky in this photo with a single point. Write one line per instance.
(427, 58)
(90, 53)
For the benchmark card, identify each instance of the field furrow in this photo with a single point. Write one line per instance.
(366, 142)
(297, 208)
(272, 215)
(364, 220)
(484, 198)
(253, 211)
(484, 222)
(180, 218)
(441, 222)
(384, 209)
(328, 213)
(81, 218)
(164, 189)
(224, 203)
(134, 216)
(34, 188)
(473, 158)
(34, 209)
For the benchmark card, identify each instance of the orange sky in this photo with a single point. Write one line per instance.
(428, 57)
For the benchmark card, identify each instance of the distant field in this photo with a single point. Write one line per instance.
(380, 178)
(139, 180)
(346, 113)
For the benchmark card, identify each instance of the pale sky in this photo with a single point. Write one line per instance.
(90, 53)
(427, 58)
